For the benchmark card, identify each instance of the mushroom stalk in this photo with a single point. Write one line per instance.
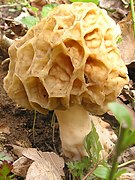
(74, 124)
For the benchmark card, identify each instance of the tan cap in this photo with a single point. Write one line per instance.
(70, 57)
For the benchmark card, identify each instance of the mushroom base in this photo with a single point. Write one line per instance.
(74, 124)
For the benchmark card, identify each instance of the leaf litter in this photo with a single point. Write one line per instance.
(127, 45)
(39, 165)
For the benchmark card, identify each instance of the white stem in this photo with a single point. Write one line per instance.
(75, 124)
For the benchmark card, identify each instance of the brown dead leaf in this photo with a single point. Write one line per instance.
(113, 4)
(37, 165)
(16, 26)
(17, 150)
(55, 161)
(128, 155)
(21, 165)
(117, 8)
(127, 45)
(42, 171)
(129, 175)
(38, 3)
(4, 129)
(32, 154)
(46, 165)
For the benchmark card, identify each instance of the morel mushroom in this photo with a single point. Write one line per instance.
(69, 63)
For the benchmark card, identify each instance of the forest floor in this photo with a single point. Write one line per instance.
(26, 129)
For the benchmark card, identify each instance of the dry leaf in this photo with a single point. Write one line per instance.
(42, 170)
(113, 4)
(17, 150)
(32, 154)
(4, 129)
(128, 155)
(130, 175)
(45, 166)
(127, 45)
(55, 161)
(118, 10)
(21, 165)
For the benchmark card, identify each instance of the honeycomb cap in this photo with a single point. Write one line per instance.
(70, 57)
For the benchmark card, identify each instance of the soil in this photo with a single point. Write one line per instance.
(20, 123)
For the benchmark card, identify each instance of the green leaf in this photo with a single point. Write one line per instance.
(128, 139)
(30, 21)
(102, 172)
(119, 173)
(119, 40)
(47, 8)
(5, 169)
(33, 9)
(77, 168)
(93, 145)
(121, 114)
(25, 3)
(93, 1)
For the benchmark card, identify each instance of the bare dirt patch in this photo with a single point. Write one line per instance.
(20, 124)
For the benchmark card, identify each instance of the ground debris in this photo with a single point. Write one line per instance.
(127, 43)
(39, 165)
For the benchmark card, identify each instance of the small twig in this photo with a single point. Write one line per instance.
(133, 14)
(53, 134)
(90, 172)
(126, 163)
(5, 42)
(6, 61)
(49, 147)
(7, 5)
(33, 127)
